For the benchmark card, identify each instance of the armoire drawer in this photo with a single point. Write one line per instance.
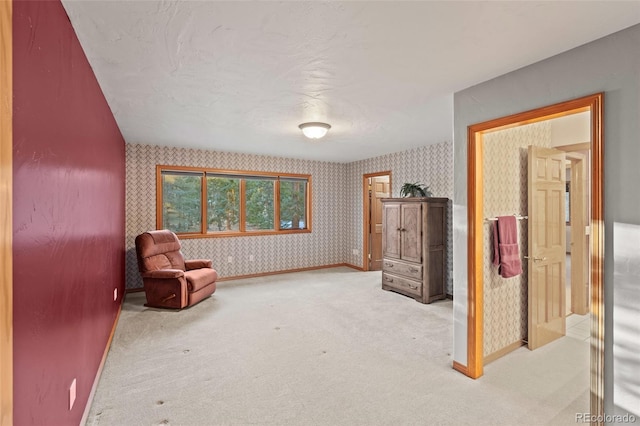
(413, 271)
(403, 284)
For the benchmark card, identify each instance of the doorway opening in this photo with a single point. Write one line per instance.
(476, 247)
(577, 205)
(376, 186)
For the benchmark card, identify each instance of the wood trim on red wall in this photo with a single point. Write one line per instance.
(6, 214)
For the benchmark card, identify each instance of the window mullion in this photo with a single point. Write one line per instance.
(203, 205)
(276, 204)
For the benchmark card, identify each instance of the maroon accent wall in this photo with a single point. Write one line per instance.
(68, 217)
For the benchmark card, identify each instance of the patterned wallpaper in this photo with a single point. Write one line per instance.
(326, 245)
(431, 165)
(505, 193)
(336, 203)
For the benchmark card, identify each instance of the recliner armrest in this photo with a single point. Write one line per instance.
(164, 273)
(197, 264)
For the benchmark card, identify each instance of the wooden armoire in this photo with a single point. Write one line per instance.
(414, 247)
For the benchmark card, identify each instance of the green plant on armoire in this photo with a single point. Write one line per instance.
(415, 190)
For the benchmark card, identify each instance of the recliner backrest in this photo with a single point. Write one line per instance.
(158, 250)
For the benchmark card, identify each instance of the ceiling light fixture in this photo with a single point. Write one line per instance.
(314, 130)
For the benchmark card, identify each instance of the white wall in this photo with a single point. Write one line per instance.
(610, 65)
(571, 129)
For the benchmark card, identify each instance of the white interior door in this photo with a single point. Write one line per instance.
(547, 245)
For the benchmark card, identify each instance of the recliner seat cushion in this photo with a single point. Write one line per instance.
(199, 278)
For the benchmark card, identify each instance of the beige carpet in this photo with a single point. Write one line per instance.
(327, 347)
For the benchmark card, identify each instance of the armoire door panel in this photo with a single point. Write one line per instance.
(391, 235)
(411, 232)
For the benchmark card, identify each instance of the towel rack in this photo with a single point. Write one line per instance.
(517, 217)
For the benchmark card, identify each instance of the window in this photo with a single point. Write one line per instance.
(195, 202)
(223, 204)
(293, 193)
(181, 207)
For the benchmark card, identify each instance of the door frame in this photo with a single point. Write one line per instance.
(366, 206)
(475, 356)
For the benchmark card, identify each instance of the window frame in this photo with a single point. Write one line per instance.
(242, 232)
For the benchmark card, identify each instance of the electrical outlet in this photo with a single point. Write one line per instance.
(251, 258)
(230, 259)
(72, 394)
(115, 294)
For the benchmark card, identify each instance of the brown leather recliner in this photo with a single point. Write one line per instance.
(169, 280)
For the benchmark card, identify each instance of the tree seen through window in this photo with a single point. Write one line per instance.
(209, 203)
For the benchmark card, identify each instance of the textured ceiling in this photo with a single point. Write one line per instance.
(241, 75)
